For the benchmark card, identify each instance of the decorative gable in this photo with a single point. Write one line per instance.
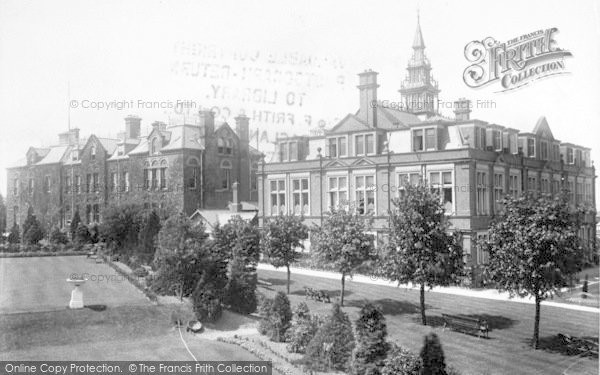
(362, 162)
(350, 123)
(336, 164)
(542, 129)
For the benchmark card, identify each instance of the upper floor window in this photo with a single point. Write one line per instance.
(88, 183)
(513, 185)
(441, 182)
(74, 155)
(253, 177)
(93, 153)
(364, 193)
(570, 159)
(225, 146)
(277, 196)
(498, 190)
(16, 186)
(47, 184)
(555, 152)
(364, 144)
(96, 183)
(30, 186)
(424, 139)
(545, 185)
(337, 147)
(531, 147)
(497, 140)
(154, 148)
(125, 182)
(482, 193)
(544, 150)
(288, 151)
(480, 138)
(113, 181)
(412, 178)
(578, 157)
(225, 175)
(78, 184)
(194, 173)
(68, 185)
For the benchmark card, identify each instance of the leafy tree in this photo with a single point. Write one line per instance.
(34, 233)
(209, 293)
(279, 317)
(14, 236)
(332, 346)
(303, 329)
(240, 240)
(282, 235)
(74, 225)
(58, 237)
(178, 260)
(2, 216)
(82, 235)
(371, 346)
(28, 221)
(149, 229)
(401, 362)
(120, 227)
(342, 242)
(432, 356)
(420, 249)
(534, 248)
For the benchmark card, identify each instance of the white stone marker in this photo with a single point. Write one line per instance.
(77, 294)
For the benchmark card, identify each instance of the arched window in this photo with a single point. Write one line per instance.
(163, 174)
(194, 172)
(225, 175)
(220, 145)
(225, 146)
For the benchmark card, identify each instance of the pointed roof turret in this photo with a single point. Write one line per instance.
(418, 43)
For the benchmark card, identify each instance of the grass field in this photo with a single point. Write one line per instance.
(119, 323)
(507, 351)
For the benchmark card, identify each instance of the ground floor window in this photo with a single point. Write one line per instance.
(338, 191)
(277, 196)
(300, 194)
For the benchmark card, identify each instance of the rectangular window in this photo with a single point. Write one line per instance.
(284, 152)
(413, 178)
(497, 140)
(30, 186)
(359, 145)
(578, 157)
(530, 147)
(571, 190)
(477, 137)
(113, 182)
(579, 190)
(226, 179)
(78, 184)
(483, 139)
(531, 183)
(153, 178)
(555, 152)
(16, 215)
(125, 182)
(545, 185)
(430, 143)
(482, 254)
(418, 140)
(544, 150)
(293, 151)
(88, 213)
(300, 196)
(337, 147)
(96, 213)
(482, 193)
(96, 183)
(513, 185)
(46, 184)
(68, 185)
(88, 183)
(338, 191)
(364, 193)
(163, 178)
(570, 159)
(193, 178)
(16, 186)
(555, 186)
(370, 144)
(498, 190)
(277, 192)
(441, 183)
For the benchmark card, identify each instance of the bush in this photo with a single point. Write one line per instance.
(371, 346)
(303, 329)
(209, 292)
(140, 272)
(332, 346)
(82, 235)
(34, 233)
(401, 362)
(432, 356)
(14, 237)
(278, 316)
(58, 237)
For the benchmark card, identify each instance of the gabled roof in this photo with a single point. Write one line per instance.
(184, 137)
(348, 124)
(543, 129)
(393, 119)
(108, 144)
(54, 156)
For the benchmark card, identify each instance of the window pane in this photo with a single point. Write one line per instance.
(360, 182)
(430, 139)
(414, 179)
(305, 184)
(281, 185)
(342, 146)
(370, 182)
(370, 144)
(333, 183)
(296, 184)
(359, 139)
(342, 182)
(434, 178)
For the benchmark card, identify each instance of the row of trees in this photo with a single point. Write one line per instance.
(533, 245)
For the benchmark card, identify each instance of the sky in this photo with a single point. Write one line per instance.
(287, 64)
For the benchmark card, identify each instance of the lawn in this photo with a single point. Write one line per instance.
(507, 351)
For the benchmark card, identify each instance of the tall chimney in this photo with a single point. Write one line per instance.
(462, 109)
(159, 125)
(132, 126)
(207, 121)
(235, 206)
(368, 97)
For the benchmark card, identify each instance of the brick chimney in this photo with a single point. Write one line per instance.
(70, 137)
(235, 206)
(159, 125)
(132, 126)
(207, 121)
(462, 109)
(368, 97)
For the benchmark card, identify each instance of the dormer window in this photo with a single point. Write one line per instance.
(570, 159)
(337, 147)
(225, 146)
(497, 140)
(544, 150)
(93, 153)
(74, 155)
(364, 144)
(154, 146)
(424, 139)
(530, 147)
(288, 151)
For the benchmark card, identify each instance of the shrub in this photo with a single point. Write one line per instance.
(303, 329)
(82, 235)
(401, 362)
(14, 237)
(75, 221)
(278, 318)
(264, 310)
(140, 272)
(432, 356)
(371, 346)
(332, 346)
(209, 292)
(58, 237)
(34, 233)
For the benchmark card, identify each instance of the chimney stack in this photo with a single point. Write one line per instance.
(70, 137)
(242, 128)
(368, 97)
(207, 121)
(462, 109)
(159, 125)
(132, 126)
(235, 206)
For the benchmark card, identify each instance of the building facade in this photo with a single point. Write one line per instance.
(363, 162)
(179, 168)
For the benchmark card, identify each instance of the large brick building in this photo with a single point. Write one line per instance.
(363, 161)
(176, 168)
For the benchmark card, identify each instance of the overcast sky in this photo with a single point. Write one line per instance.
(123, 51)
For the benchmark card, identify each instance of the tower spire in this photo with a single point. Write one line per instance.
(418, 43)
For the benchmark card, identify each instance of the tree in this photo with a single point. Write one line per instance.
(82, 234)
(432, 356)
(342, 242)
(209, 293)
(282, 235)
(34, 232)
(120, 227)
(276, 317)
(303, 329)
(332, 346)
(534, 248)
(28, 221)
(2, 216)
(149, 229)
(371, 346)
(14, 236)
(421, 250)
(57, 236)
(240, 240)
(74, 225)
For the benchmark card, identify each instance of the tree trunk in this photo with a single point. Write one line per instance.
(536, 326)
(423, 317)
(288, 279)
(343, 284)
